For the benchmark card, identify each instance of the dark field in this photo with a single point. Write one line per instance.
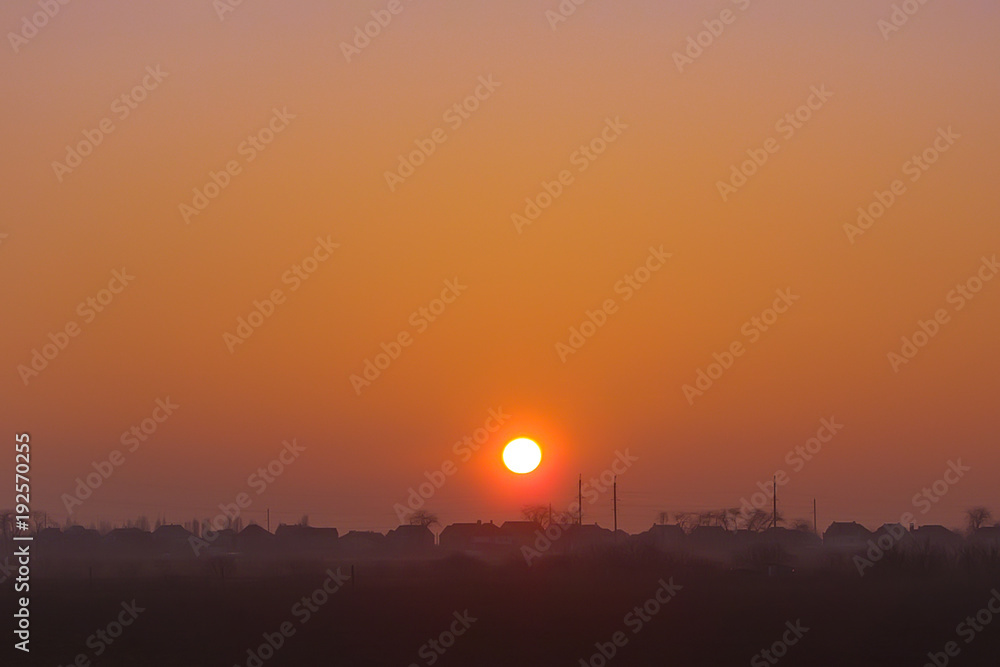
(551, 614)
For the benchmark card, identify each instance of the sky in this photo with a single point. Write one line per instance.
(591, 208)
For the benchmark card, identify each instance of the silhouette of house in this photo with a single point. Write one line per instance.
(517, 534)
(937, 539)
(219, 542)
(891, 529)
(482, 539)
(358, 543)
(587, 538)
(793, 541)
(128, 542)
(895, 534)
(846, 536)
(172, 540)
(988, 538)
(744, 540)
(296, 539)
(254, 539)
(669, 538)
(410, 540)
(711, 542)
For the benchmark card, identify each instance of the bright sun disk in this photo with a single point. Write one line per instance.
(522, 455)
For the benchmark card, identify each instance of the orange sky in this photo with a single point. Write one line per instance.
(340, 126)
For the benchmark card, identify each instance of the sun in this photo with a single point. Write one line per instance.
(522, 455)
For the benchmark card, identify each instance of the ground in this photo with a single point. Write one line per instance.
(551, 614)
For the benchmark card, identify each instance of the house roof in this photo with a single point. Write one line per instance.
(846, 529)
(459, 529)
(520, 527)
(411, 533)
(363, 535)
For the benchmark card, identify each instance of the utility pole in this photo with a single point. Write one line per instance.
(815, 524)
(774, 513)
(615, 496)
(580, 499)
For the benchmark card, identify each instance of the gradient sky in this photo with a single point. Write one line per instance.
(495, 346)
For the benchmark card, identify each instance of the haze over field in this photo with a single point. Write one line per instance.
(559, 260)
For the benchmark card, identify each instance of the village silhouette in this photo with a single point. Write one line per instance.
(546, 589)
(725, 538)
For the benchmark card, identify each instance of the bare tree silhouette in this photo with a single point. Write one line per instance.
(803, 525)
(758, 520)
(537, 513)
(688, 521)
(422, 518)
(977, 517)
